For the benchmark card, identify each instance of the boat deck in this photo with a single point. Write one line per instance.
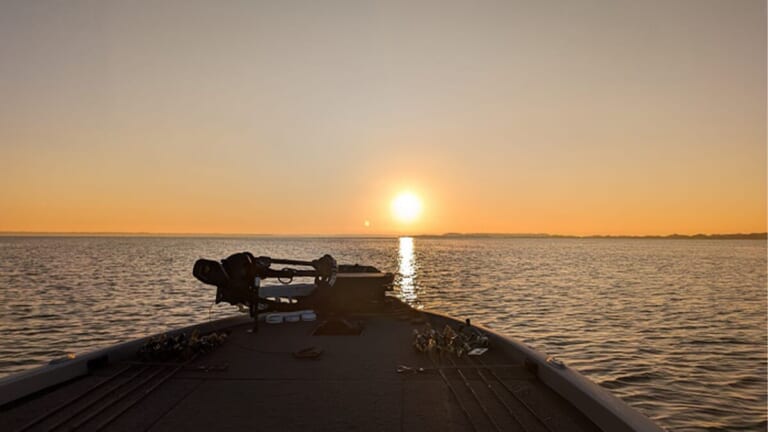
(253, 382)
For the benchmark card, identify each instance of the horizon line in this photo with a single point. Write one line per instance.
(755, 235)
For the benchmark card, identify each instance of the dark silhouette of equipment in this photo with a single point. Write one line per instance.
(336, 288)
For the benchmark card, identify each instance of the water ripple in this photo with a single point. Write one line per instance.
(676, 328)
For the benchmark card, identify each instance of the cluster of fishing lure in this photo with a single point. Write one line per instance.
(458, 342)
(180, 347)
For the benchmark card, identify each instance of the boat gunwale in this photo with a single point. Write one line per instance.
(599, 405)
(25, 383)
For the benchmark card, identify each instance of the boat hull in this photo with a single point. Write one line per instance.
(255, 381)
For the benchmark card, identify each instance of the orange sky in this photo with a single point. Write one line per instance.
(586, 118)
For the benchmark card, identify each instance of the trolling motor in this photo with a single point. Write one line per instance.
(237, 278)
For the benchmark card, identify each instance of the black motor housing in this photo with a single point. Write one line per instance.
(234, 277)
(210, 272)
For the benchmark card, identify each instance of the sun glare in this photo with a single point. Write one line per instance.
(406, 207)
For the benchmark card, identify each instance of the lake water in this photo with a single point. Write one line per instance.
(677, 328)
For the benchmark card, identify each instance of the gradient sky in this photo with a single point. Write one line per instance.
(571, 117)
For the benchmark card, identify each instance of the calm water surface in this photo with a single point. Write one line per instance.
(677, 328)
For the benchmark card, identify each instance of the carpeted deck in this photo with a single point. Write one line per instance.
(253, 382)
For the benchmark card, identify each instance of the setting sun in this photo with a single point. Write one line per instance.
(406, 207)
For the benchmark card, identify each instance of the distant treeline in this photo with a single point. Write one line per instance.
(740, 236)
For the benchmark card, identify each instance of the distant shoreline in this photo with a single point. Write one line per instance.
(735, 236)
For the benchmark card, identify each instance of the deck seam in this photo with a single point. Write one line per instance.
(175, 404)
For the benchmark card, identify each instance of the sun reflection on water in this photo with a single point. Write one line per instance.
(406, 272)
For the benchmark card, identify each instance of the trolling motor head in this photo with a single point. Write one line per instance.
(236, 276)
